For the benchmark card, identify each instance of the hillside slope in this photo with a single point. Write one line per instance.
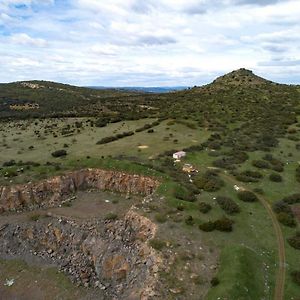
(248, 111)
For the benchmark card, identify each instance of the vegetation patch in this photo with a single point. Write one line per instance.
(209, 181)
(157, 244)
(240, 275)
(247, 196)
(204, 207)
(59, 153)
(294, 241)
(228, 205)
(296, 277)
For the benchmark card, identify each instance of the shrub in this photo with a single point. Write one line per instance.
(209, 182)
(215, 281)
(160, 218)
(296, 277)
(111, 217)
(182, 193)
(286, 219)
(101, 122)
(224, 224)
(107, 140)
(261, 164)
(278, 168)
(277, 165)
(292, 199)
(157, 244)
(247, 196)
(204, 207)
(9, 163)
(275, 177)
(35, 217)
(189, 220)
(207, 226)
(180, 207)
(228, 205)
(259, 191)
(298, 174)
(282, 206)
(295, 241)
(249, 176)
(110, 139)
(10, 173)
(244, 178)
(59, 153)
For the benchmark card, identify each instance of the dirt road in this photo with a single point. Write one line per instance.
(280, 276)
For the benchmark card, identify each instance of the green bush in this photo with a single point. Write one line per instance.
(244, 178)
(101, 122)
(275, 177)
(224, 224)
(111, 217)
(259, 191)
(215, 281)
(286, 219)
(228, 205)
(9, 163)
(282, 206)
(249, 176)
(181, 193)
(247, 196)
(207, 226)
(277, 165)
(204, 207)
(298, 174)
(160, 218)
(9, 173)
(295, 241)
(292, 199)
(59, 153)
(209, 182)
(189, 221)
(35, 217)
(157, 244)
(261, 164)
(296, 277)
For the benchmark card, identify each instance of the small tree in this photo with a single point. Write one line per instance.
(247, 196)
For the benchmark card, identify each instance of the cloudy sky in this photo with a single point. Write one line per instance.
(148, 43)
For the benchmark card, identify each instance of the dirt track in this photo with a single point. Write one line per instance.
(280, 276)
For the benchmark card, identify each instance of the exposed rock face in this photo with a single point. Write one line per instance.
(51, 192)
(112, 256)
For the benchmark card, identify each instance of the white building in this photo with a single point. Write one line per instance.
(179, 155)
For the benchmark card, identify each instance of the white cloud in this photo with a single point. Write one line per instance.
(151, 42)
(25, 39)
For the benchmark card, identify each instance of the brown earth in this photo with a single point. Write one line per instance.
(52, 192)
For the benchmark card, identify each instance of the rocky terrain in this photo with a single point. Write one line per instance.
(52, 192)
(112, 256)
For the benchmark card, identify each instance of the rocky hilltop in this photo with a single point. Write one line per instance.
(54, 191)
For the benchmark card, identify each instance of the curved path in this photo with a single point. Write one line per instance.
(280, 276)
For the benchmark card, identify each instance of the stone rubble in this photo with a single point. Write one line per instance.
(113, 256)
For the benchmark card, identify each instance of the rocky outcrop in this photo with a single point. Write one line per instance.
(51, 192)
(112, 256)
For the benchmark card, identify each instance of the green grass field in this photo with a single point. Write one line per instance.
(16, 140)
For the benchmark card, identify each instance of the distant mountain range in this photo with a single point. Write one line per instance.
(143, 89)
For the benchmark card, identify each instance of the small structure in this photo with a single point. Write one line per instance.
(178, 155)
(188, 168)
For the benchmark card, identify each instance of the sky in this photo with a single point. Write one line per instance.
(148, 43)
